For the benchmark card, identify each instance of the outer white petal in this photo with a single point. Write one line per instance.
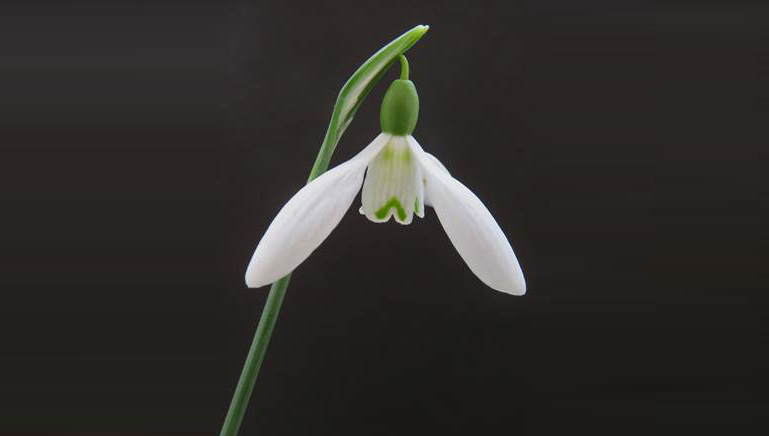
(437, 163)
(308, 218)
(471, 228)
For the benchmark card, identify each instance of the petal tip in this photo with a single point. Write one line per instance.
(254, 279)
(516, 291)
(517, 287)
(513, 284)
(254, 284)
(251, 283)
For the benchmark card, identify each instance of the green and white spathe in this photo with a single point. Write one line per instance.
(400, 180)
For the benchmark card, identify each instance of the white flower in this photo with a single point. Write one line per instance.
(401, 180)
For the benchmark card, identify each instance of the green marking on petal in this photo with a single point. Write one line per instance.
(382, 212)
(387, 153)
(407, 156)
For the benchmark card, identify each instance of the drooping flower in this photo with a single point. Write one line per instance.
(400, 180)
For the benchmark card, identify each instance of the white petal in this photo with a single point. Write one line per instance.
(308, 218)
(435, 160)
(471, 228)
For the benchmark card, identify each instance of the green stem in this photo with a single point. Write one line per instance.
(404, 67)
(347, 103)
(255, 357)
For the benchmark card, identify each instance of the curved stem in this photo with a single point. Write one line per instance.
(404, 67)
(350, 98)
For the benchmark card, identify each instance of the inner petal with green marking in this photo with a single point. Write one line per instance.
(393, 185)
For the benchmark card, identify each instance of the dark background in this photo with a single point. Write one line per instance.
(146, 147)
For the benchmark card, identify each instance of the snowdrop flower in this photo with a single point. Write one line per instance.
(400, 180)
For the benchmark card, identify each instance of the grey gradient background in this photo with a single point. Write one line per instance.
(620, 145)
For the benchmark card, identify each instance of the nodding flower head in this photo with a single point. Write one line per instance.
(400, 180)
